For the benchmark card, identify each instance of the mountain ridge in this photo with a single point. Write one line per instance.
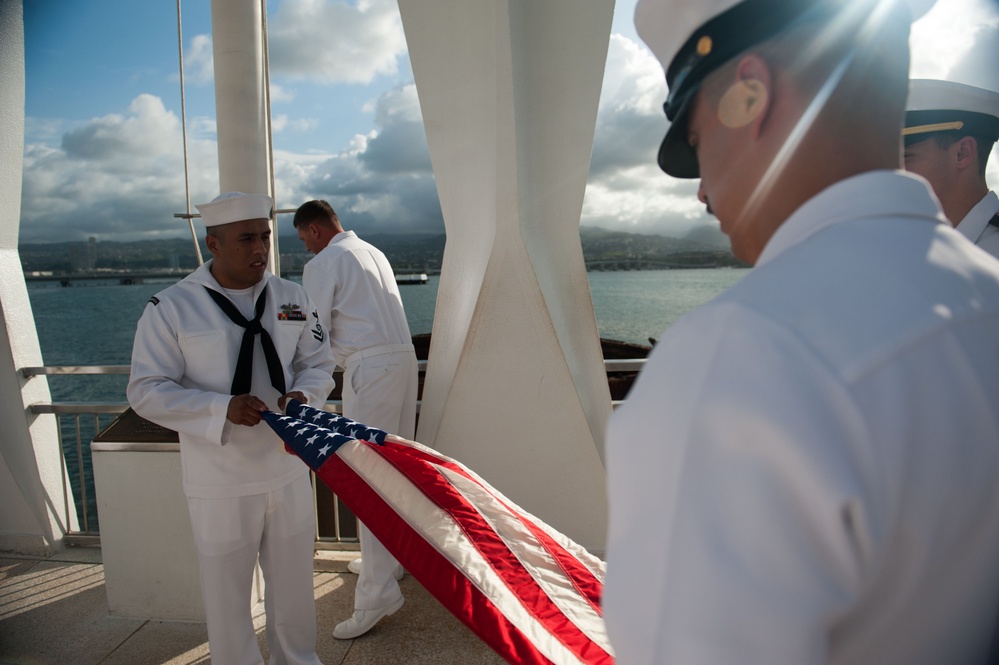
(603, 249)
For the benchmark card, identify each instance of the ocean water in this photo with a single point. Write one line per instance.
(638, 306)
(94, 324)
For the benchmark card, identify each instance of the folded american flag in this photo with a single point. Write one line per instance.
(526, 590)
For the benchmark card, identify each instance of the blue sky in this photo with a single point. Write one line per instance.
(103, 146)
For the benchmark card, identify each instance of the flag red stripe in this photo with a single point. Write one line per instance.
(493, 548)
(582, 578)
(430, 568)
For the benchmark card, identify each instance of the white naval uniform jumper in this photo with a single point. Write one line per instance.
(354, 289)
(978, 225)
(805, 471)
(246, 495)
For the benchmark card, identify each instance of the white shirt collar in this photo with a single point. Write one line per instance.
(977, 219)
(872, 194)
(343, 235)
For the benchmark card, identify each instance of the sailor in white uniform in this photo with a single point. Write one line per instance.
(805, 471)
(210, 353)
(950, 131)
(353, 286)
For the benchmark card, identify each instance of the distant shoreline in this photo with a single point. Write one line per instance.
(137, 276)
(602, 250)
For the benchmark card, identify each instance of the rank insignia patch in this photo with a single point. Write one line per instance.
(291, 312)
(317, 330)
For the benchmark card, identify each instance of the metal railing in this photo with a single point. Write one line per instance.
(72, 417)
(74, 414)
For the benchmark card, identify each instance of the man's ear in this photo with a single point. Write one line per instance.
(966, 153)
(212, 242)
(742, 103)
(748, 99)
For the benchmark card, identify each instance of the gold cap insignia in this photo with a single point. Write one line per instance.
(704, 45)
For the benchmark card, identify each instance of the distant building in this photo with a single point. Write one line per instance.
(83, 257)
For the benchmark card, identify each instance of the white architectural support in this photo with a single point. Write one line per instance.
(241, 102)
(516, 387)
(33, 481)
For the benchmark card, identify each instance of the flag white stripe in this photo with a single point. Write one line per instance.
(592, 563)
(437, 528)
(526, 547)
(534, 557)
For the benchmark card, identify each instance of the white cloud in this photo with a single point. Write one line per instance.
(280, 94)
(949, 33)
(626, 190)
(43, 130)
(202, 127)
(120, 176)
(330, 41)
(143, 134)
(291, 171)
(977, 66)
(383, 180)
(323, 41)
(400, 104)
(280, 123)
(199, 61)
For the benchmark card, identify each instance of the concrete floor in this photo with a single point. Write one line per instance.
(54, 611)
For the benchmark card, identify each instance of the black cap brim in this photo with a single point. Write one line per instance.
(676, 156)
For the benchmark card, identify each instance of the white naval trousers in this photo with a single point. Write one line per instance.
(229, 534)
(379, 390)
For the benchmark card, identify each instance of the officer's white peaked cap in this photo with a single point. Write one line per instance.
(944, 106)
(234, 207)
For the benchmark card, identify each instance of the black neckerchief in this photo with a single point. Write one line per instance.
(243, 377)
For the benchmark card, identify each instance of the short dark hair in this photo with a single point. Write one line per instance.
(946, 139)
(313, 212)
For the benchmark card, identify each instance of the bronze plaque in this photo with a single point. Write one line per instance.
(131, 427)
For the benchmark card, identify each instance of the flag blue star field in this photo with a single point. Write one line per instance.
(525, 589)
(317, 437)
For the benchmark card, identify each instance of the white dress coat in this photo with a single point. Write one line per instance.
(353, 286)
(975, 225)
(354, 289)
(806, 470)
(183, 361)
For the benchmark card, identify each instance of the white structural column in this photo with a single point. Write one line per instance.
(516, 387)
(34, 513)
(241, 102)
